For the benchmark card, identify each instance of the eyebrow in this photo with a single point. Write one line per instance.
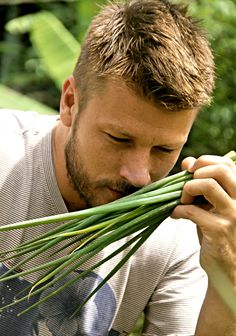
(174, 146)
(119, 130)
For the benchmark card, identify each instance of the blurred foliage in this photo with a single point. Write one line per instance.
(214, 131)
(24, 64)
(10, 98)
(55, 45)
(23, 69)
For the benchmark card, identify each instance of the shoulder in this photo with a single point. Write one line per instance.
(20, 132)
(16, 121)
(18, 128)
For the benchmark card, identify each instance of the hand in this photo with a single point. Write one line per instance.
(214, 178)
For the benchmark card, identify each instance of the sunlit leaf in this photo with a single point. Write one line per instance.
(56, 46)
(12, 99)
(21, 24)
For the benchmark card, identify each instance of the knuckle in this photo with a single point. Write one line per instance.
(224, 226)
(226, 229)
(211, 184)
(190, 211)
(187, 185)
(221, 228)
(224, 168)
(202, 158)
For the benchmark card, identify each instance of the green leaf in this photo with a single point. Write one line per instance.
(21, 24)
(56, 46)
(13, 99)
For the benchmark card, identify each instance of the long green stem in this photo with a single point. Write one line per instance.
(122, 204)
(135, 216)
(144, 237)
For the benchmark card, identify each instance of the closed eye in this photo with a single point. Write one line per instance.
(163, 149)
(117, 139)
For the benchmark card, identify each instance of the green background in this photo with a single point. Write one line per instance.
(36, 36)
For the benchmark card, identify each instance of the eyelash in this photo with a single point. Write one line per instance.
(120, 140)
(124, 140)
(163, 149)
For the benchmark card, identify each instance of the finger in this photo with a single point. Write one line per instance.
(188, 163)
(208, 160)
(210, 190)
(217, 236)
(209, 223)
(222, 173)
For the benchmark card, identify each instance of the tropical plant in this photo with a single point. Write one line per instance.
(214, 130)
(10, 98)
(215, 122)
(56, 46)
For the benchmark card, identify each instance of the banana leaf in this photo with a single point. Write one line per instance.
(56, 46)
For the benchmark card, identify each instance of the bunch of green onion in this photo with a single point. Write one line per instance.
(89, 231)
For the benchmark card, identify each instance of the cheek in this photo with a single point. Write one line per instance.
(163, 165)
(98, 156)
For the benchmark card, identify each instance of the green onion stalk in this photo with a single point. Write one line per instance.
(87, 232)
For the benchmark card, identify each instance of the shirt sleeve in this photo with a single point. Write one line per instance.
(175, 304)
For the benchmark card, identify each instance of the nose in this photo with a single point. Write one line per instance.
(135, 170)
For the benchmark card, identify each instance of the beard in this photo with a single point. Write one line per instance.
(82, 183)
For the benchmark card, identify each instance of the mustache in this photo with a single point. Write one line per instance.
(123, 187)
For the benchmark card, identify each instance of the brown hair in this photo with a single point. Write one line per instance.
(154, 47)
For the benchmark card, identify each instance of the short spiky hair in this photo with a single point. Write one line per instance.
(154, 47)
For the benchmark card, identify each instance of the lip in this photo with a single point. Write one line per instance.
(115, 193)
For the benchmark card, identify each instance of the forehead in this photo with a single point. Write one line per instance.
(118, 108)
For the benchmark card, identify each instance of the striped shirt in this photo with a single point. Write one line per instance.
(163, 278)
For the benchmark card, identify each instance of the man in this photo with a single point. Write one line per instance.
(144, 72)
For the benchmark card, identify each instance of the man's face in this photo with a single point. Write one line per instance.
(120, 143)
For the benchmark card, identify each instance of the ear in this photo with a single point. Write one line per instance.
(69, 101)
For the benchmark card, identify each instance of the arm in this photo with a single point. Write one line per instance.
(215, 317)
(215, 179)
